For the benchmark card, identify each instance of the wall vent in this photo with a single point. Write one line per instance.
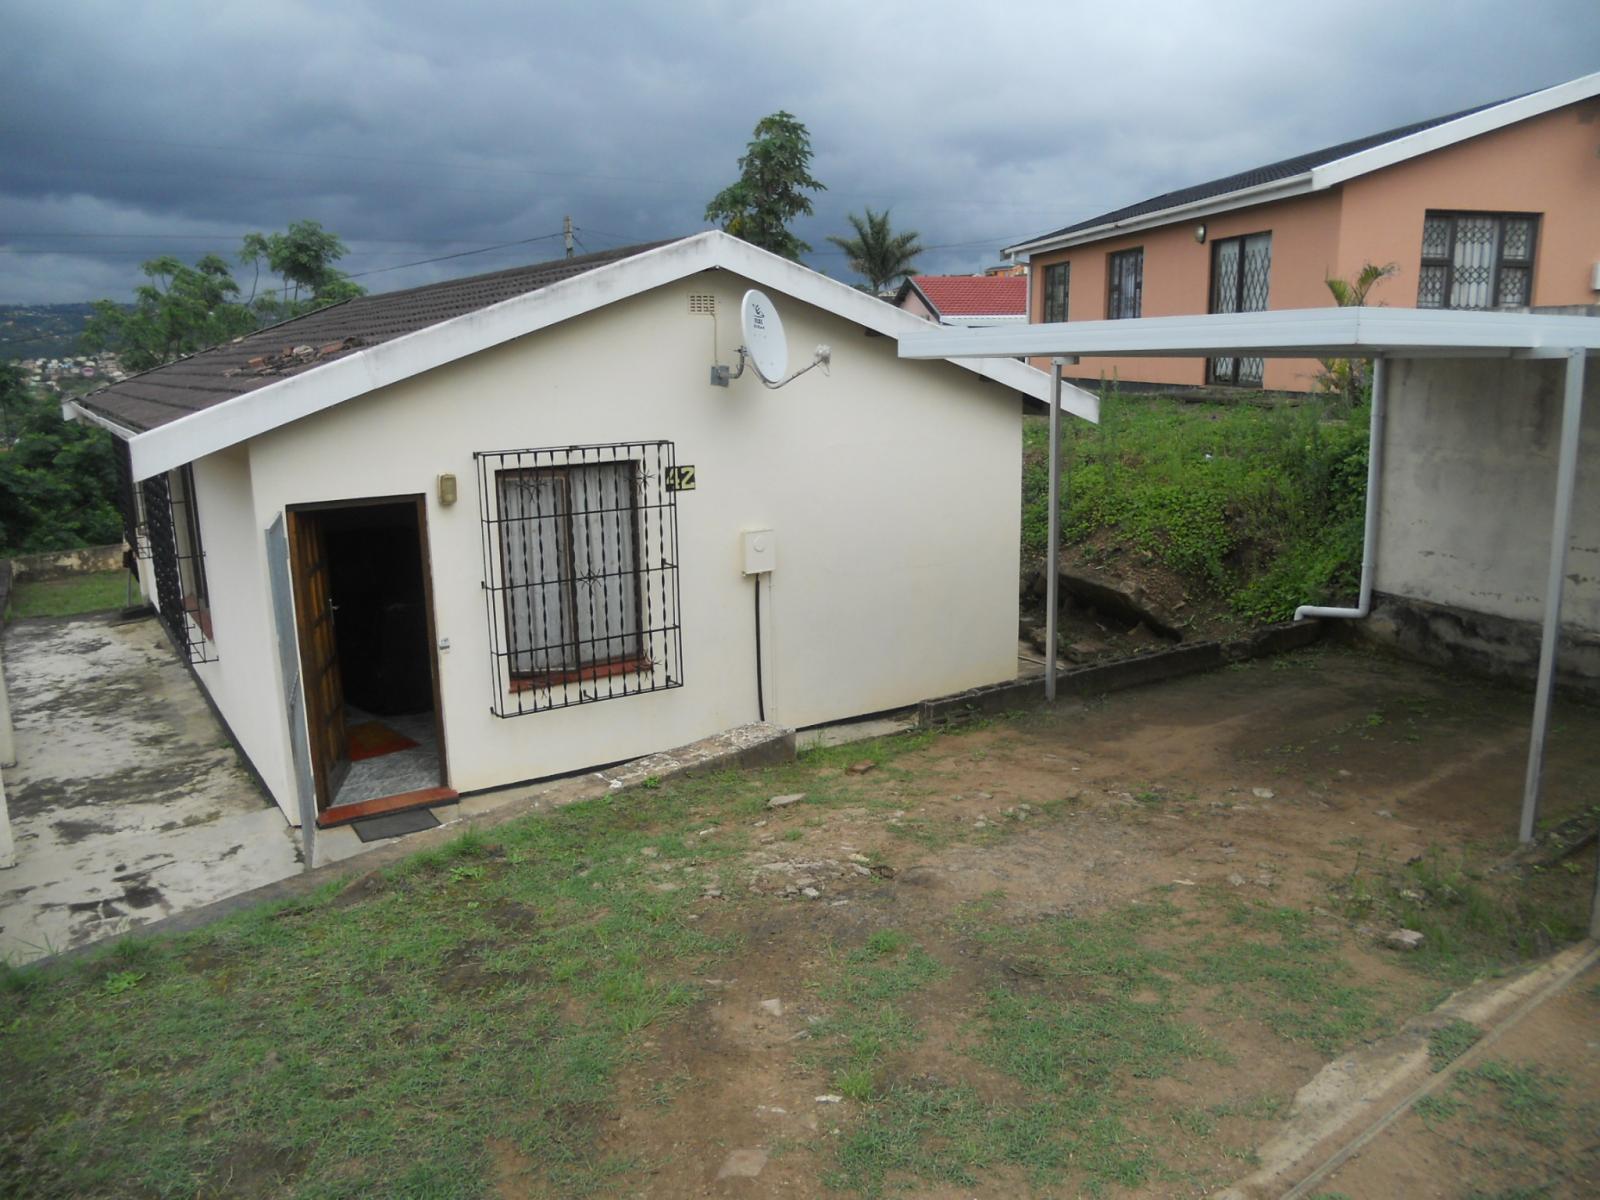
(700, 302)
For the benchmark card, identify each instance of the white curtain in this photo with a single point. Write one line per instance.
(570, 560)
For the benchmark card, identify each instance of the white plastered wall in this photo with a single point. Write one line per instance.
(892, 487)
(1469, 489)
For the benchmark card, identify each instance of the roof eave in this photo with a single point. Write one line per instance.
(297, 396)
(1278, 189)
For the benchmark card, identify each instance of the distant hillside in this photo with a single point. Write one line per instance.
(41, 330)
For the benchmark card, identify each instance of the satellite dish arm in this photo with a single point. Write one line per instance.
(822, 356)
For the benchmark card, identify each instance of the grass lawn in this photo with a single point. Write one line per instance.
(97, 591)
(981, 960)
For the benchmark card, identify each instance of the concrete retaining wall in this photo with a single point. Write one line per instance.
(59, 564)
(1468, 500)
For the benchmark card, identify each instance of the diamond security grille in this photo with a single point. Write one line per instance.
(1241, 268)
(1477, 260)
(177, 563)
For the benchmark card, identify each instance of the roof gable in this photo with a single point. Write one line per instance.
(1317, 169)
(234, 418)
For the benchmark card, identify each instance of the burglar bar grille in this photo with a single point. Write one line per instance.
(580, 561)
(177, 562)
(134, 532)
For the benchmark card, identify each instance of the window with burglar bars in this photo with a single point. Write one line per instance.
(580, 554)
(1240, 270)
(177, 560)
(1057, 285)
(1477, 260)
(1125, 295)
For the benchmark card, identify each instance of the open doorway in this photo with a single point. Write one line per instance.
(364, 616)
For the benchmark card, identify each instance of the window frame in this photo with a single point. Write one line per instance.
(1115, 298)
(582, 672)
(1447, 261)
(1052, 272)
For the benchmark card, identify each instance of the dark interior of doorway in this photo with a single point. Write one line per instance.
(378, 589)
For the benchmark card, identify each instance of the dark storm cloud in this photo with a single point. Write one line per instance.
(416, 130)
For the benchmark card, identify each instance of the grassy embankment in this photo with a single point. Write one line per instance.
(97, 591)
(1260, 508)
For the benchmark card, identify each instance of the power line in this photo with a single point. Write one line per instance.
(543, 237)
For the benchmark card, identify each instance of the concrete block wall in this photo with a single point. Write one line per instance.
(1468, 501)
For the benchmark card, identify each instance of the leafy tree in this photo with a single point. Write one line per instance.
(303, 259)
(180, 310)
(183, 309)
(774, 176)
(57, 478)
(877, 253)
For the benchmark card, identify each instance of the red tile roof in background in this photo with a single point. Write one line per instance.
(975, 295)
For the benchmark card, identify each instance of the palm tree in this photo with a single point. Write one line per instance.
(877, 253)
(1348, 376)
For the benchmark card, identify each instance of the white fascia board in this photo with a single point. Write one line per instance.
(1261, 193)
(1288, 333)
(1459, 130)
(71, 410)
(254, 413)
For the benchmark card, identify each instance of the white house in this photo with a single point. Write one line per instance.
(496, 529)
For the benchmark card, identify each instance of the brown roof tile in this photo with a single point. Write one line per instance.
(176, 389)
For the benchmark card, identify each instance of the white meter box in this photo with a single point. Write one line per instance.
(760, 551)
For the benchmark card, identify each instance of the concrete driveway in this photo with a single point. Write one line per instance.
(127, 801)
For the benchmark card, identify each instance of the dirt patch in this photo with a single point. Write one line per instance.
(1522, 1122)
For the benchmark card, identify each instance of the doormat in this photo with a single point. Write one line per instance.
(373, 739)
(375, 829)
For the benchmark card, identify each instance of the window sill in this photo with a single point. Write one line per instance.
(621, 666)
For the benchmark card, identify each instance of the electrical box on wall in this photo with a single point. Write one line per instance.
(760, 551)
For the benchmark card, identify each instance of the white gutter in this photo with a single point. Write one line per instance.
(1369, 537)
(71, 410)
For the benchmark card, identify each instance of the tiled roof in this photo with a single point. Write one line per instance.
(975, 295)
(1286, 168)
(164, 394)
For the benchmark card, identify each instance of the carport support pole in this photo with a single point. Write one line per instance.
(1052, 583)
(1566, 485)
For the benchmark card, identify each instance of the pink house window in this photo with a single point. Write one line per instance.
(1477, 260)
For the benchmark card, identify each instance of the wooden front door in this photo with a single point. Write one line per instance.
(319, 655)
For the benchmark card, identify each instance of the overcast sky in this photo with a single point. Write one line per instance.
(419, 129)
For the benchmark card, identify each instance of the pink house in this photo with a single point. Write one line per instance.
(1497, 207)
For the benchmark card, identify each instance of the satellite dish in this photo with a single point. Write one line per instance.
(764, 339)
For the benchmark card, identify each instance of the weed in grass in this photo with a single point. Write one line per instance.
(121, 981)
(1529, 1099)
(1436, 1108)
(1282, 978)
(1450, 1042)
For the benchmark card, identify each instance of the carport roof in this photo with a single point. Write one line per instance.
(1286, 333)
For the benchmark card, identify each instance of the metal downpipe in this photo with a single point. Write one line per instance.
(1369, 537)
